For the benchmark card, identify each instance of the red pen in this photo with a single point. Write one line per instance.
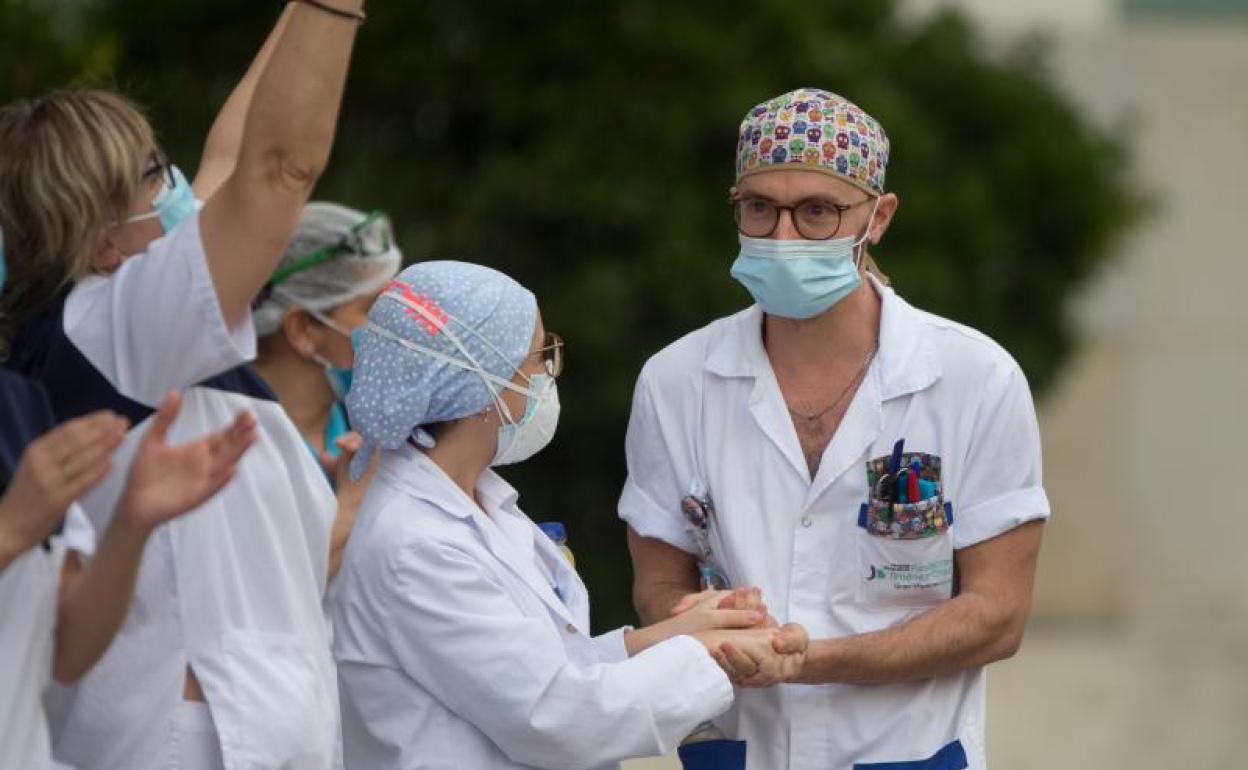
(912, 477)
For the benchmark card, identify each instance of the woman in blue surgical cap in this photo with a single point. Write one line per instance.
(461, 631)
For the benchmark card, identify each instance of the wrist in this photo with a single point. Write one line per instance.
(638, 639)
(815, 662)
(129, 524)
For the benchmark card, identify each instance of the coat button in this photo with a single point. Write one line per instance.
(807, 521)
(571, 629)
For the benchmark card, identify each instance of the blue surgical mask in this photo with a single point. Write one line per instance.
(172, 205)
(339, 377)
(799, 278)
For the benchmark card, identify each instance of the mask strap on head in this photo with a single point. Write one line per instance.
(862, 252)
(453, 361)
(326, 320)
(440, 324)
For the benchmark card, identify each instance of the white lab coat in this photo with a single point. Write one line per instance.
(233, 589)
(708, 417)
(29, 588)
(454, 649)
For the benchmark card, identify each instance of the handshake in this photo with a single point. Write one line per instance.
(737, 631)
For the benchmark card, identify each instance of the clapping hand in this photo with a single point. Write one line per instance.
(166, 480)
(56, 469)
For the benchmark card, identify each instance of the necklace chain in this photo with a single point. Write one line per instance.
(861, 371)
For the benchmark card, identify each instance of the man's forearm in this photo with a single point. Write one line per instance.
(964, 632)
(654, 601)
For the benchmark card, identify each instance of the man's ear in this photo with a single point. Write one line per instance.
(884, 213)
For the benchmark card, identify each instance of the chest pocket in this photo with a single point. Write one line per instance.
(905, 551)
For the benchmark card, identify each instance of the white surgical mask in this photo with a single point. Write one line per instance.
(518, 440)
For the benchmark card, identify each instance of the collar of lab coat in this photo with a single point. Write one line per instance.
(906, 361)
(509, 535)
(423, 479)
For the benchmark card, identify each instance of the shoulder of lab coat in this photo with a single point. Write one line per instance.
(658, 446)
(156, 324)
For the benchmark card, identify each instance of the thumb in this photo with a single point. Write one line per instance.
(166, 413)
(349, 443)
(790, 639)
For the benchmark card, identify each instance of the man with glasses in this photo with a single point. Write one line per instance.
(873, 468)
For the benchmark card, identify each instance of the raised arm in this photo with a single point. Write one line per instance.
(226, 137)
(286, 142)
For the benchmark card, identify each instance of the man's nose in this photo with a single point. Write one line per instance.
(786, 229)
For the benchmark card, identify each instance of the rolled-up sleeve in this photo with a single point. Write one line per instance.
(1002, 485)
(658, 457)
(156, 324)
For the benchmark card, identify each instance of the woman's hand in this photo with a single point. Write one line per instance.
(710, 610)
(56, 469)
(760, 657)
(166, 481)
(705, 611)
(736, 599)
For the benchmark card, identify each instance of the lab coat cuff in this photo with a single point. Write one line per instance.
(692, 687)
(995, 517)
(236, 345)
(650, 520)
(78, 534)
(610, 646)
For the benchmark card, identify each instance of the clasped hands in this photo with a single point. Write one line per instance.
(747, 642)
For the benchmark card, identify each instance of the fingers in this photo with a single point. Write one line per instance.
(742, 599)
(68, 440)
(236, 439)
(689, 601)
(87, 479)
(741, 664)
(349, 443)
(736, 618)
(791, 639)
(166, 413)
(73, 473)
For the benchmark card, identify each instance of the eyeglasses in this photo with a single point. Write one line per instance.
(551, 352)
(370, 238)
(816, 219)
(158, 167)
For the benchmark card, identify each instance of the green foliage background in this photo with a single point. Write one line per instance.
(586, 149)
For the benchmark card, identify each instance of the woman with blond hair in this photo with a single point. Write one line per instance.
(126, 282)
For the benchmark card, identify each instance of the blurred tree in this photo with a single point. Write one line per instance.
(586, 148)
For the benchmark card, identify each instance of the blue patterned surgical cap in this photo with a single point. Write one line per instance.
(397, 389)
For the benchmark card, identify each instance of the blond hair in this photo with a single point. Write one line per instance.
(71, 165)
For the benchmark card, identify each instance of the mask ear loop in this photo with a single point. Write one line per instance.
(861, 253)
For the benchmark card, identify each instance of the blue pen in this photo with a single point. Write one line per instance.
(894, 462)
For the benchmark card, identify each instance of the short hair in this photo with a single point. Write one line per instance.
(71, 164)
